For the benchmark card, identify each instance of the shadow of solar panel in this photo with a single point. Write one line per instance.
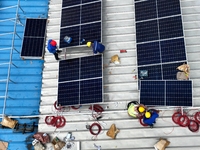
(170, 27)
(71, 32)
(69, 70)
(35, 27)
(68, 93)
(152, 93)
(91, 12)
(168, 7)
(147, 31)
(32, 47)
(154, 72)
(66, 3)
(178, 93)
(87, 1)
(173, 50)
(91, 67)
(148, 53)
(91, 91)
(91, 32)
(145, 10)
(170, 71)
(70, 16)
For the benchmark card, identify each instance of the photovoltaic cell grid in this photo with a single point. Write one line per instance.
(166, 93)
(34, 36)
(80, 81)
(80, 20)
(165, 34)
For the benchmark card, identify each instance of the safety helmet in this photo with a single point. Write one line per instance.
(89, 44)
(53, 43)
(147, 114)
(141, 109)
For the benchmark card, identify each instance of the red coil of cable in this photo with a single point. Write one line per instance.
(197, 117)
(183, 121)
(98, 126)
(76, 107)
(57, 107)
(49, 120)
(59, 122)
(193, 126)
(175, 117)
(141, 122)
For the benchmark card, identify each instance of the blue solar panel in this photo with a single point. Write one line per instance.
(91, 12)
(80, 20)
(70, 16)
(91, 91)
(32, 47)
(69, 70)
(168, 7)
(35, 27)
(147, 31)
(152, 92)
(91, 67)
(169, 70)
(148, 53)
(80, 80)
(166, 93)
(68, 93)
(179, 93)
(71, 32)
(66, 3)
(173, 50)
(170, 27)
(91, 32)
(154, 72)
(145, 10)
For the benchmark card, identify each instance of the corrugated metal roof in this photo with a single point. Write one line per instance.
(119, 85)
(24, 89)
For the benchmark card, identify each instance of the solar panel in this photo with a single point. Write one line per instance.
(148, 53)
(149, 10)
(68, 3)
(147, 31)
(35, 27)
(80, 81)
(80, 20)
(34, 36)
(154, 72)
(166, 93)
(168, 7)
(32, 47)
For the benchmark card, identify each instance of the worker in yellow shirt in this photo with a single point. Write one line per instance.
(135, 109)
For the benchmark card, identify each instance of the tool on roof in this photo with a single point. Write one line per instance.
(67, 39)
(98, 147)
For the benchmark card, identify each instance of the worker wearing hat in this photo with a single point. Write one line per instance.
(135, 109)
(52, 48)
(96, 46)
(150, 117)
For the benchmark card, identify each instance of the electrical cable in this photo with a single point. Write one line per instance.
(169, 122)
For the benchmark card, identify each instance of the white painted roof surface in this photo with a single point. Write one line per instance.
(119, 85)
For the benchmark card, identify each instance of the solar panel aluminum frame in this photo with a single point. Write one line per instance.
(165, 94)
(43, 51)
(80, 45)
(84, 79)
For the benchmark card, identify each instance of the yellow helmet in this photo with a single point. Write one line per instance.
(89, 44)
(147, 114)
(141, 109)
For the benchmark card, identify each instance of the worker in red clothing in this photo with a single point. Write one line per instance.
(96, 46)
(52, 48)
(135, 109)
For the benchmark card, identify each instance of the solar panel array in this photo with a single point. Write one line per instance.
(80, 19)
(34, 36)
(80, 81)
(166, 93)
(159, 36)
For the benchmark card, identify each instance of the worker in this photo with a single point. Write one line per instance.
(52, 48)
(150, 117)
(96, 46)
(135, 109)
